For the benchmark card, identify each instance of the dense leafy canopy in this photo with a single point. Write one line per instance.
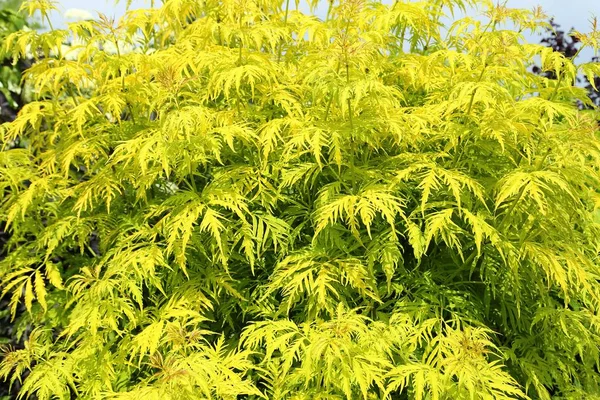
(234, 199)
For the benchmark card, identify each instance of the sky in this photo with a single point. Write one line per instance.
(568, 13)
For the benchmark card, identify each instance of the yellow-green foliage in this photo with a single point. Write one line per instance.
(246, 201)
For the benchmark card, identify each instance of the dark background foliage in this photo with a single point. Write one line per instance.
(566, 43)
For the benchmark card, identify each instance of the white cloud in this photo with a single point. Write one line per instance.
(77, 14)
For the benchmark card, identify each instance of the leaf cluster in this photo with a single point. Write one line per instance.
(244, 200)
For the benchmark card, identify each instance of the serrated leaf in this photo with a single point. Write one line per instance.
(40, 289)
(53, 275)
(28, 295)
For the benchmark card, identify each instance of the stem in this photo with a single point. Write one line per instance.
(48, 20)
(72, 94)
(475, 91)
(477, 264)
(512, 207)
(337, 70)
(350, 115)
(241, 42)
(402, 39)
(347, 65)
(116, 41)
(123, 88)
(561, 76)
(349, 102)
(328, 107)
(458, 155)
(329, 10)
(59, 49)
(154, 30)
(558, 82)
(131, 113)
(538, 166)
(219, 40)
(285, 18)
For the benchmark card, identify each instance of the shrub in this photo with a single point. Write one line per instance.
(257, 203)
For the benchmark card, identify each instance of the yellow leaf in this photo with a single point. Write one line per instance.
(40, 289)
(28, 294)
(53, 275)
